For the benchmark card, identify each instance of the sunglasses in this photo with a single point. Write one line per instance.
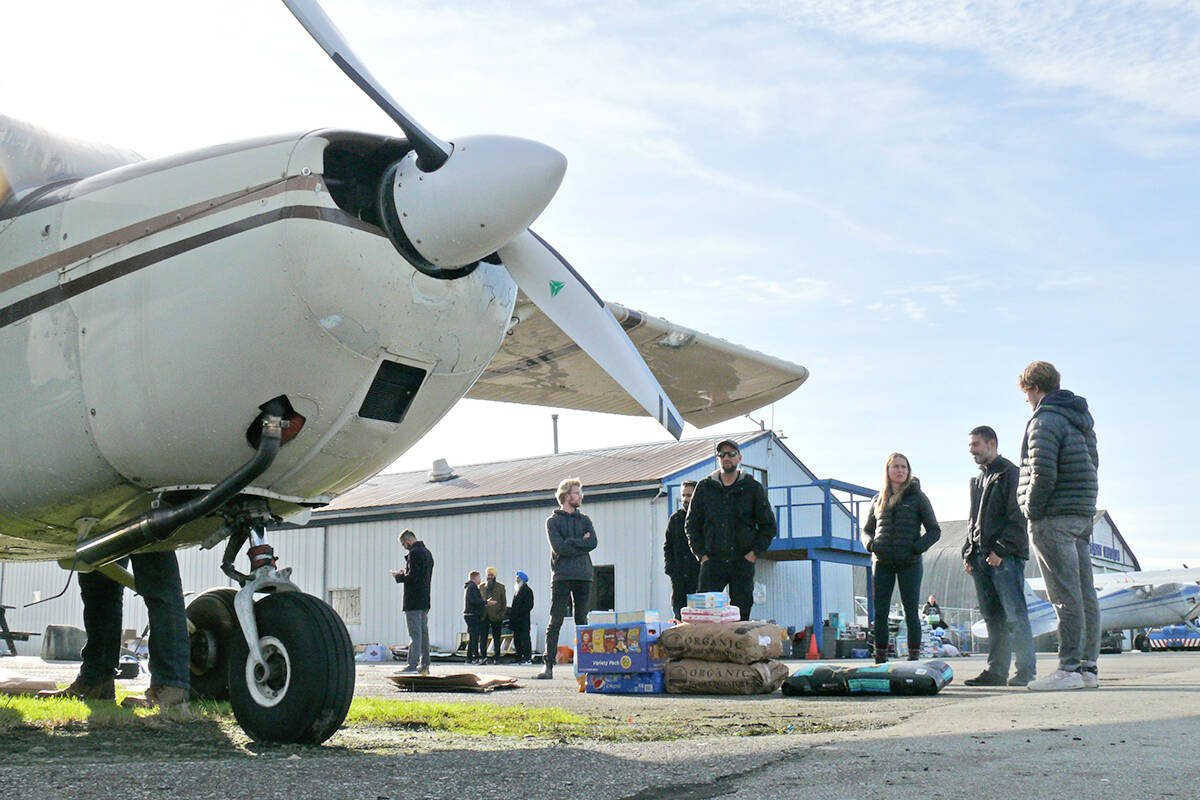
(728, 454)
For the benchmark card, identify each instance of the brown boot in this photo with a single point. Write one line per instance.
(104, 690)
(157, 696)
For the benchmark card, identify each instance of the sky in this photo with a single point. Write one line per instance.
(912, 199)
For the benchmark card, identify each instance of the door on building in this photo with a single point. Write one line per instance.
(604, 588)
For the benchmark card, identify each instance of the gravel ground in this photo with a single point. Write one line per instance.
(1128, 737)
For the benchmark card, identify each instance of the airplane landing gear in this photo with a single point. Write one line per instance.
(285, 662)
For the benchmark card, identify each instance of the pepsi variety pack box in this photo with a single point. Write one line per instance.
(624, 683)
(626, 648)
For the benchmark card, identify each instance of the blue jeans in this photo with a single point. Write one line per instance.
(909, 578)
(156, 576)
(1001, 592)
(1064, 554)
(418, 634)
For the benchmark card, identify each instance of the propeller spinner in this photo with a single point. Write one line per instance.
(448, 205)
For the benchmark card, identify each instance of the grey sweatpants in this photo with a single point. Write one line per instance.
(1063, 553)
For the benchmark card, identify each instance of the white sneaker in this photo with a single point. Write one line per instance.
(1091, 680)
(1059, 681)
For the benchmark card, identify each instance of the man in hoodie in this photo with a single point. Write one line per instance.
(994, 554)
(679, 562)
(473, 613)
(518, 616)
(416, 576)
(729, 524)
(572, 538)
(495, 602)
(1057, 493)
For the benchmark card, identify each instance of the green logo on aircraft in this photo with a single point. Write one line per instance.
(556, 287)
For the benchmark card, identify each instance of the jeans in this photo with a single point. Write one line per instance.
(909, 578)
(737, 574)
(418, 634)
(565, 596)
(156, 576)
(474, 629)
(1001, 593)
(1063, 552)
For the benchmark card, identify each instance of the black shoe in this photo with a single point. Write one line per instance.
(1017, 680)
(986, 678)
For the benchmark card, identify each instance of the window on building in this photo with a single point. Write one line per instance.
(348, 605)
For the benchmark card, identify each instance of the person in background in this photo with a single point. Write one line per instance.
(933, 613)
(495, 600)
(473, 608)
(417, 576)
(679, 562)
(994, 555)
(518, 616)
(1057, 493)
(893, 536)
(572, 538)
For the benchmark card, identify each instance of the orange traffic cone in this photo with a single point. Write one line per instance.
(813, 652)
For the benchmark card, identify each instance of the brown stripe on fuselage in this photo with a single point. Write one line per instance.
(149, 227)
(64, 291)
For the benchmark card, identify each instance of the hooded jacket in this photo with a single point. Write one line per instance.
(416, 577)
(996, 524)
(1059, 461)
(473, 604)
(894, 538)
(727, 522)
(679, 562)
(570, 545)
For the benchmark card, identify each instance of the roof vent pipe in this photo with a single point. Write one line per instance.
(441, 471)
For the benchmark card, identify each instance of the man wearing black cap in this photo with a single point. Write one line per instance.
(729, 524)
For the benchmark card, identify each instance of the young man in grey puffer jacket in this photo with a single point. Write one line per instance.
(1057, 493)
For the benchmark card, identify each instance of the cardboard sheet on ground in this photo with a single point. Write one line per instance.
(457, 682)
(16, 683)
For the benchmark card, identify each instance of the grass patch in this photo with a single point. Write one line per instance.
(463, 719)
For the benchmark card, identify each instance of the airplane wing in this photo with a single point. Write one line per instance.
(1110, 580)
(708, 379)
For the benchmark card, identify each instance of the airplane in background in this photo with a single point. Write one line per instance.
(318, 299)
(1128, 600)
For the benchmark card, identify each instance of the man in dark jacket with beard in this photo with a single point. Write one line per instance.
(416, 576)
(729, 524)
(994, 554)
(679, 562)
(473, 612)
(1057, 493)
(572, 538)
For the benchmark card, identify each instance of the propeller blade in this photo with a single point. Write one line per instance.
(570, 303)
(432, 151)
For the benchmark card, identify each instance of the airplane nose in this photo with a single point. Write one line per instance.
(489, 190)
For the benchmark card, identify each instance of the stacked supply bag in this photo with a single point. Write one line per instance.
(722, 657)
(622, 656)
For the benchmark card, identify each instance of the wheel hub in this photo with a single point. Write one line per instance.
(268, 686)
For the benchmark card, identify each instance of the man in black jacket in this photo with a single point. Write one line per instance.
(679, 562)
(1057, 493)
(572, 538)
(994, 554)
(518, 616)
(473, 611)
(416, 576)
(729, 524)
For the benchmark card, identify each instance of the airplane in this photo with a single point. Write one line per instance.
(1128, 600)
(318, 299)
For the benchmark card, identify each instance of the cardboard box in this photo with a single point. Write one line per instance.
(624, 683)
(629, 648)
(649, 616)
(708, 600)
(726, 614)
(602, 618)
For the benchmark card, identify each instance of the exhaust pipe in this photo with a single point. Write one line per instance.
(160, 523)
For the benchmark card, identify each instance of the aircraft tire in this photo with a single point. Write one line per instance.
(1142, 642)
(306, 693)
(215, 627)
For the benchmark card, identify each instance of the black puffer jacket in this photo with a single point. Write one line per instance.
(895, 537)
(1059, 459)
(727, 522)
(572, 539)
(473, 603)
(996, 525)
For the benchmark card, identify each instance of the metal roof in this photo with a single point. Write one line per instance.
(608, 467)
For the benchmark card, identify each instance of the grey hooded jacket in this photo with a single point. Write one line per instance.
(1059, 459)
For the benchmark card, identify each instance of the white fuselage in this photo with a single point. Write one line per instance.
(147, 313)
